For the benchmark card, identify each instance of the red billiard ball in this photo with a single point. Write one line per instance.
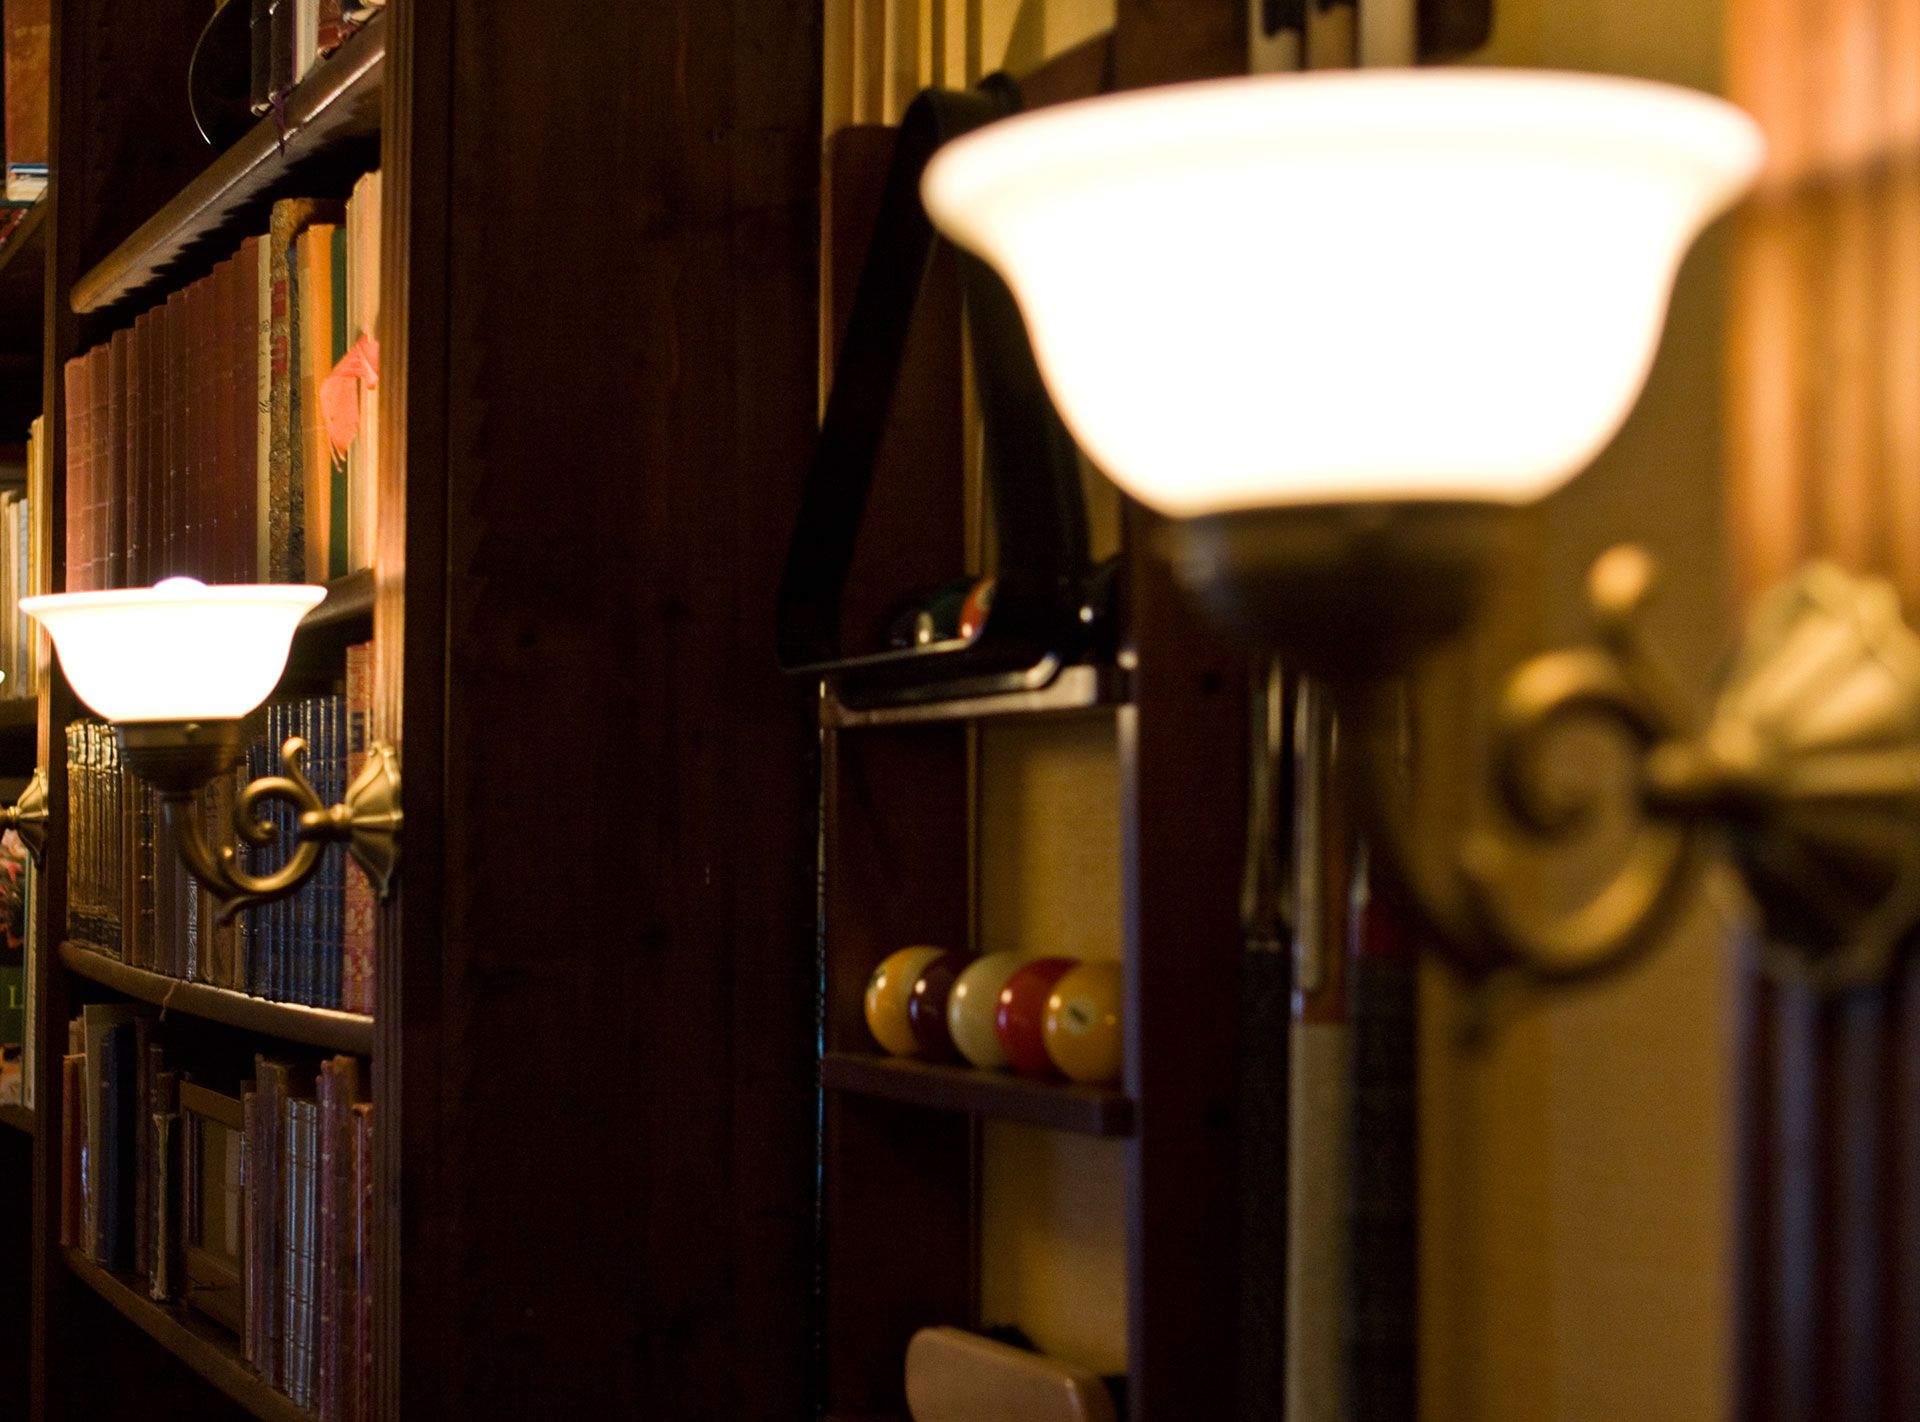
(888, 992)
(1022, 1019)
(927, 1006)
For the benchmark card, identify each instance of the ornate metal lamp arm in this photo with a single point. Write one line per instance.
(27, 816)
(368, 822)
(1810, 763)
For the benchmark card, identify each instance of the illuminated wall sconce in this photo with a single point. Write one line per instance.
(1338, 328)
(177, 668)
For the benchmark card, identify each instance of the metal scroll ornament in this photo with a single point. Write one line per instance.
(367, 821)
(1809, 764)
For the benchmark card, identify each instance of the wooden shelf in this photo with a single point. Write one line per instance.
(336, 108)
(316, 1026)
(349, 600)
(18, 1117)
(1077, 689)
(1001, 1096)
(18, 715)
(198, 1342)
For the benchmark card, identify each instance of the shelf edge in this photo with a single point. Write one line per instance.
(292, 1022)
(219, 1363)
(1056, 1106)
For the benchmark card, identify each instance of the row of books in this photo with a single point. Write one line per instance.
(18, 949)
(255, 1209)
(291, 36)
(229, 434)
(20, 573)
(130, 894)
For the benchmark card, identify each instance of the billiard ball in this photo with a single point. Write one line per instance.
(974, 611)
(888, 992)
(927, 1006)
(974, 1003)
(1083, 1023)
(1022, 1016)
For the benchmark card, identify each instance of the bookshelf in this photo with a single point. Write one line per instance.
(17, 1118)
(908, 840)
(525, 598)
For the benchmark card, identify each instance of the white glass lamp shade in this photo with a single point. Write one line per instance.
(177, 651)
(1443, 284)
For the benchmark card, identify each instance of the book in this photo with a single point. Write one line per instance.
(298, 1279)
(28, 39)
(360, 1400)
(357, 898)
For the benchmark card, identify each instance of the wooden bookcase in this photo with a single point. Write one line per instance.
(906, 1143)
(590, 1059)
(595, 1051)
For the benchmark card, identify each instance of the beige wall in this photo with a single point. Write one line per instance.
(1577, 1210)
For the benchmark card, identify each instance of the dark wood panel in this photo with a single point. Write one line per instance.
(610, 401)
(327, 130)
(1000, 1096)
(1183, 756)
(292, 1022)
(17, 1118)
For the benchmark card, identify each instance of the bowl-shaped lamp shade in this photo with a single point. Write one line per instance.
(1250, 293)
(177, 651)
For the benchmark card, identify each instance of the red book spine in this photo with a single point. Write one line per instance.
(361, 1409)
(153, 460)
(332, 27)
(114, 429)
(202, 429)
(79, 445)
(333, 1116)
(100, 467)
(243, 336)
(173, 507)
(136, 451)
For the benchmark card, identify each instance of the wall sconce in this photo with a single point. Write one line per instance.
(27, 816)
(1338, 328)
(176, 668)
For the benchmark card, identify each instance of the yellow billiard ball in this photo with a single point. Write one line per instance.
(1083, 1024)
(888, 992)
(974, 1003)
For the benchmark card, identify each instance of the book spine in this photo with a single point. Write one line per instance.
(361, 1408)
(74, 374)
(357, 966)
(252, 1220)
(243, 338)
(113, 430)
(161, 1280)
(174, 398)
(145, 1050)
(100, 550)
(73, 1135)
